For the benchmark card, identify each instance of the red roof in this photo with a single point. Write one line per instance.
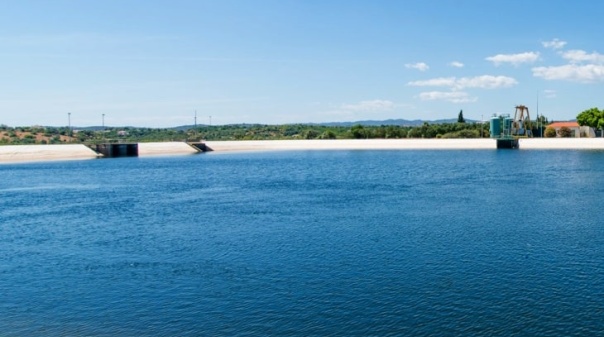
(563, 124)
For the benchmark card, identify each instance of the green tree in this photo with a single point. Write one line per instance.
(310, 134)
(328, 135)
(358, 131)
(591, 117)
(414, 133)
(460, 118)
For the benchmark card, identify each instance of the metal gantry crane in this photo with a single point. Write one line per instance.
(521, 124)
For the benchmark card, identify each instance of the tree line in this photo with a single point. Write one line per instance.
(460, 129)
(56, 135)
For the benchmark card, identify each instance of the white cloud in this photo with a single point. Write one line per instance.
(554, 44)
(486, 82)
(550, 93)
(514, 59)
(482, 82)
(571, 72)
(578, 56)
(373, 105)
(450, 96)
(435, 82)
(421, 66)
(456, 64)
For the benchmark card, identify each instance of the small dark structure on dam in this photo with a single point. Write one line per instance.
(109, 150)
(200, 146)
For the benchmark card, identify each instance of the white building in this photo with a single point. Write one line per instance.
(576, 130)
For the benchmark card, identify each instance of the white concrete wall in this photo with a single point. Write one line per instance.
(31, 153)
(561, 143)
(165, 148)
(352, 144)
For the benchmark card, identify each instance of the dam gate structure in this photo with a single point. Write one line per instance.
(111, 150)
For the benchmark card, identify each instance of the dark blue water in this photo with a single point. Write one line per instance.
(343, 243)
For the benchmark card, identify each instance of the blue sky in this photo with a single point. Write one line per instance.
(154, 63)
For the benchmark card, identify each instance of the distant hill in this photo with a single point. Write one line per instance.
(387, 122)
(398, 122)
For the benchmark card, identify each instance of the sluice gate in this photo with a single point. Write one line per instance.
(110, 150)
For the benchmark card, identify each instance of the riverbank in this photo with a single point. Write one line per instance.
(33, 153)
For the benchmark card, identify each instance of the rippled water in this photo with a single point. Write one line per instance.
(348, 243)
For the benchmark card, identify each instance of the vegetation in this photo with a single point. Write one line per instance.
(54, 135)
(592, 117)
(460, 118)
(58, 135)
(550, 132)
(564, 132)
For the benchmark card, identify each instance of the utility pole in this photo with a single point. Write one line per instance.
(210, 120)
(103, 123)
(69, 125)
(539, 123)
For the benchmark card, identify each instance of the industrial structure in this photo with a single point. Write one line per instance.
(507, 130)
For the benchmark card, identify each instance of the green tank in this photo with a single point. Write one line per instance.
(495, 128)
(507, 128)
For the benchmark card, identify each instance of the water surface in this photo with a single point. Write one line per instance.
(348, 243)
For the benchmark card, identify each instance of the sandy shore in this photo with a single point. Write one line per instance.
(31, 153)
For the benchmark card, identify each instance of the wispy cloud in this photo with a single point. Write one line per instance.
(514, 59)
(450, 96)
(549, 93)
(421, 66)
(435, 82)
(554, 44)
(80, 38)
(571, 72)
(456, 64)
(482, 82)
(372, 105)
(578, 56)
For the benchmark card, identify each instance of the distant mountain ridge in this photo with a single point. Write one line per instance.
(399, 122)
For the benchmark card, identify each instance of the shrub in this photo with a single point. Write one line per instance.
(564, 132)
(550, 132)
